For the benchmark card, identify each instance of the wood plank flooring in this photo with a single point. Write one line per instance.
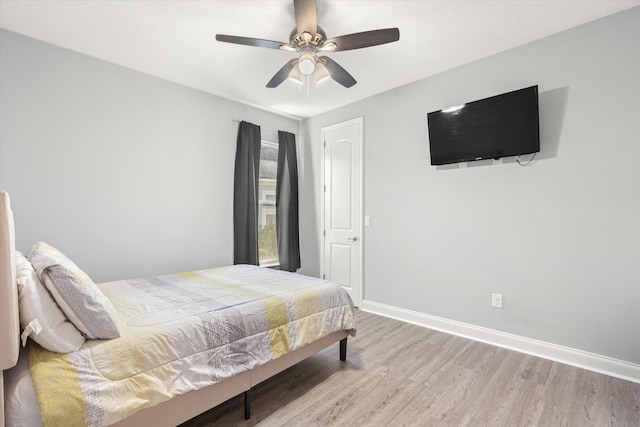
(398, 374)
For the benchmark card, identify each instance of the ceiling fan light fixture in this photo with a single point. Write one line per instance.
(296, 80)
(294, 76)
(307, 63)
(321, 74)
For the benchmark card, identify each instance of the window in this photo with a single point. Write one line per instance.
(267, 240)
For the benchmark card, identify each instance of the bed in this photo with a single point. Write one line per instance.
(154, 351)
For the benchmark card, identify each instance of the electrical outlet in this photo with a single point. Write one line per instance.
(496, 300)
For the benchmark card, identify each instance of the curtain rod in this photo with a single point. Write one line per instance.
(263, 127)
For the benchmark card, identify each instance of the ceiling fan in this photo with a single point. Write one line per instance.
(308, 39)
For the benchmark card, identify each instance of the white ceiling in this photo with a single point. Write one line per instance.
(175, 40)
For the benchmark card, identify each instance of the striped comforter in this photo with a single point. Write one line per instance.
(184, 332)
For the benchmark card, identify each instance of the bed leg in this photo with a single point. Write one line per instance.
(247, 405)
(343, 349)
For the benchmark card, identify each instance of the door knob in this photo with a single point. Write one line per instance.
(352, 239)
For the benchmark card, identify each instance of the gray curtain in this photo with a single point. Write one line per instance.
(245, 195)
(287, 228)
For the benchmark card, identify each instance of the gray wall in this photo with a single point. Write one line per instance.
(559, 239)
(128, 174)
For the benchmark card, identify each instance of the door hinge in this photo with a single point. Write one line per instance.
(323, 276)
(324, 233)
(325, 188)
(325, 143)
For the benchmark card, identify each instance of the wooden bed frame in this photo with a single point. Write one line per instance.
(172, 412)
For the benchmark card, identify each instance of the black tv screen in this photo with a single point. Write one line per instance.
(500, 126)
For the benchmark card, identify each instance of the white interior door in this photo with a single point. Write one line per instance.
(342, 217)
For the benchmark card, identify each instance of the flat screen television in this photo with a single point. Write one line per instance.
(500, 126)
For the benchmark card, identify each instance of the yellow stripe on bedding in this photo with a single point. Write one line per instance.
(193, 276)
(312, 318)
(305, 302)
(141, 391)
(67, 409)
(278, 325)
(132, 358)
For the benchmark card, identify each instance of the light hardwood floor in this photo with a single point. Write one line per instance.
(398, 374)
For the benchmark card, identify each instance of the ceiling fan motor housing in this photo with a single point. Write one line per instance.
(299, 40)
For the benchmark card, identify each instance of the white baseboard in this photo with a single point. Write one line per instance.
(570, 356)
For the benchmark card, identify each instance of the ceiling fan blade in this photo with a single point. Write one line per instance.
(363, 39)
(338, 73)
(248, 41)
(306, 16)
(282, 74)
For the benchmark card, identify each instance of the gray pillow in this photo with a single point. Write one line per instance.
(75, 293)
(86, 307)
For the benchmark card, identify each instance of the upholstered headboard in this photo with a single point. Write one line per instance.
(9, 320)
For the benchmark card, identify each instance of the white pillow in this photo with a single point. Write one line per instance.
(38, 311)
(76, 294)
